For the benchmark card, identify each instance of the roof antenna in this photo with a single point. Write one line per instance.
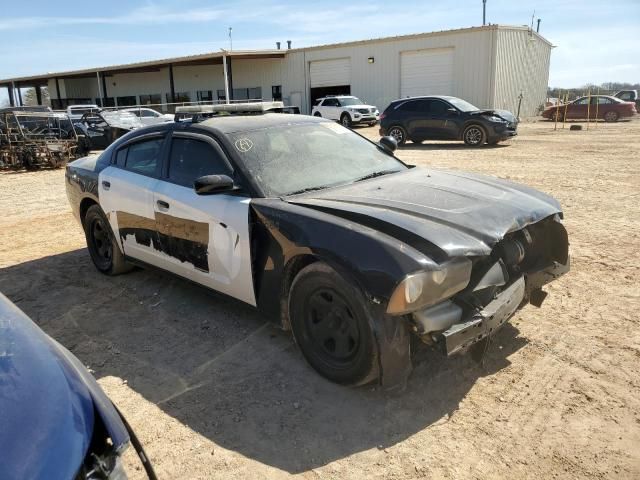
(484, 12)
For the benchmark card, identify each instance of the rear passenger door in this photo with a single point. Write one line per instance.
(415, 114)
(125, 190)
(204, 238)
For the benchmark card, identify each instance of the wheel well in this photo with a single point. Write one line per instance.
(291, 270)
(84, 206)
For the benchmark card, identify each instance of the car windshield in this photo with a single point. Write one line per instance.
(462, 105)
(345, 102)
(290, 159)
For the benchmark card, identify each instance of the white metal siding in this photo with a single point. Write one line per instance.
(521, 66)
(378, 83)
(426, 72)
(329, 73)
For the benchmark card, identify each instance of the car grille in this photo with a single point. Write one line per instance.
(363, 110)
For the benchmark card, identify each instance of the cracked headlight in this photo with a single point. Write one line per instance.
(496, 119)
(421, 289)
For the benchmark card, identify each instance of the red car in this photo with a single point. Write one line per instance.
(604, 107)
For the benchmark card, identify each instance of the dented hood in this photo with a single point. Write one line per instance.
(461, 213)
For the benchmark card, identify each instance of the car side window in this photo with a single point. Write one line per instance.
(191, 159)
(582, 101)
(421, 106)
(331, 102)
(121, 157)
(601, 100)
(148, 113)
(437, 107)
(626, 96)
(142, 157)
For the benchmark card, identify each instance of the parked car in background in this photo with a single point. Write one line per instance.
(56, 422)
(346, 109)
(100, 129)
(445, 118)
(75, 112)
(629, 96)
(602, 107)
(325, 232)
(149, 116)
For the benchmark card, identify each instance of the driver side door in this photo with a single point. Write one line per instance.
(204, 238)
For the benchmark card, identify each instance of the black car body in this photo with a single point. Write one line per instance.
(379, 249)
(445, 118)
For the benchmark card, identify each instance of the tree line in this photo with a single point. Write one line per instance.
(608, 88)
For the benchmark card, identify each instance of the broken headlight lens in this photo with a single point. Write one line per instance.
(496, 119)
(428, 287)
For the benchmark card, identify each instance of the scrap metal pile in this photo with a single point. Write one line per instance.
(36, 139)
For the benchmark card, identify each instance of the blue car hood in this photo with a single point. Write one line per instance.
(48, 403)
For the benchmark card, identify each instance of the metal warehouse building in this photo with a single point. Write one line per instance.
(490, 66)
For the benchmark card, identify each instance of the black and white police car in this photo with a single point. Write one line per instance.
(324, 231)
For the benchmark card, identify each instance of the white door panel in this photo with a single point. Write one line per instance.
(426, 72)
(329, 73)
(205, 238)
(127, 200)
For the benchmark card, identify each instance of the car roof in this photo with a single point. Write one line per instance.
(425, 97)
(242, 123)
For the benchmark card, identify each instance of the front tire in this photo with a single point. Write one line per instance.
(317, 114)
(399, 134)
(611, 116)
(330, 323)
(345, 120)
(103, 248)
(474, 135)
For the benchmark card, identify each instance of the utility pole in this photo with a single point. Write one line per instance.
(484, 12)
(230, 40)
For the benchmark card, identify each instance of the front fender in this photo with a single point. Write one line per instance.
(281, 231)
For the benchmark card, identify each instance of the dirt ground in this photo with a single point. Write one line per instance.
(214, 392)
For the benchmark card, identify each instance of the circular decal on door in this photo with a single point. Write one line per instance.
(244, 145)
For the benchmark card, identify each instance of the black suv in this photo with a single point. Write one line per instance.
(445, 118)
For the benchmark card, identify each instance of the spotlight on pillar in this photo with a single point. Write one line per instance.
(371, 60)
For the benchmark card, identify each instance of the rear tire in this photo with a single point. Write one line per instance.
(611, 116)
(474, 135)
(399, 134)
(330, 323)
(103, 248)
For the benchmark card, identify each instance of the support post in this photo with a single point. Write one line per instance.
(58, 94)
(171, 85)
(12, 102)
(226, 79)
(104, 89)
(100, 89)
(20, 104)
(38, 94)
(230, 73)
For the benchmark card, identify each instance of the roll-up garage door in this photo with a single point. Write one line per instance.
(329, 73)
(426, 72)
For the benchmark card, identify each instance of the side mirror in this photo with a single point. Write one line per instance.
(389, 144)
(452, 111)
(210, 184)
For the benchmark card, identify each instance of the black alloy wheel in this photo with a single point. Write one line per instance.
(474, 136)
(399, 134)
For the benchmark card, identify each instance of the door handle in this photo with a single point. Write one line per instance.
(106, 185)
(162, 204)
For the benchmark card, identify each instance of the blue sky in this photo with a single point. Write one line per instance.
(596, 41)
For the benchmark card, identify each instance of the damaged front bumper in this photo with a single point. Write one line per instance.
(461, 336)
(444, 325)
